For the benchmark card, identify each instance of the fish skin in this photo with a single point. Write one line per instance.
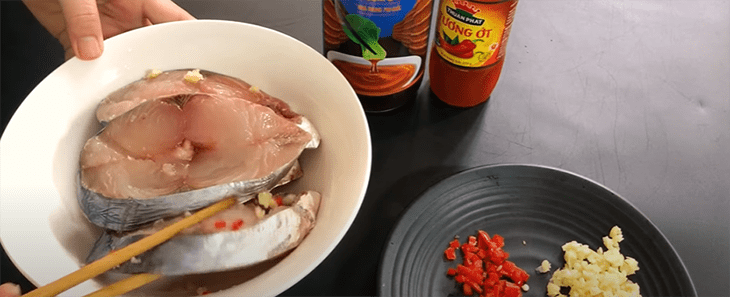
(129, 214)
(269, 238)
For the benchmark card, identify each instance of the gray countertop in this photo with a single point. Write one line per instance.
(634, 94)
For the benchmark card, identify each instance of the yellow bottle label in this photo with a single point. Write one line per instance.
(470, 34)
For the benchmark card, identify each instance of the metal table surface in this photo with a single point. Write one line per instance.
(634, 94)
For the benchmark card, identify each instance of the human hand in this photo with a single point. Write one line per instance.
(9, 290)
(82, 25)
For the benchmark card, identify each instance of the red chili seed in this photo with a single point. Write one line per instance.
(472, 240)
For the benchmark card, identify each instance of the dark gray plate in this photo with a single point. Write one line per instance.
(542, 206)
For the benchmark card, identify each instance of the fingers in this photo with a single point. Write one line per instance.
(9, 290)
(161, 11)
(66, 43)
(83, 27)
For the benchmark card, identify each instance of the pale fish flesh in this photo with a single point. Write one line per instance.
(171, 83)
(167, 155)
(233, 238)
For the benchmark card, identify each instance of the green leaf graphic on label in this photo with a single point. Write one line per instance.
(447, 39)
(365, 33)
(450, 41)
(455, 41)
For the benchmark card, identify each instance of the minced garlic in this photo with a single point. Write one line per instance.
(544, 267)
(193, 76)
(595, 273)
(267, 200)
(260, 212)
(202, 291)
(253, 89)
(153, 73)
(289, 199)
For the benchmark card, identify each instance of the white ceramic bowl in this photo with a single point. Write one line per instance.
(41, 226)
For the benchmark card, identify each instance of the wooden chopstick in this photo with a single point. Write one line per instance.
(120, 256)
(125, 285)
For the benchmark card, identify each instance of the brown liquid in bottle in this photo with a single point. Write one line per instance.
(374, 80)
(374, 66)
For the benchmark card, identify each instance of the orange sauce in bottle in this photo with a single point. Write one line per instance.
(374, 79)
(468, 52)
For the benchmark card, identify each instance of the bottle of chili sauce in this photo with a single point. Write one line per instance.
(468, 52)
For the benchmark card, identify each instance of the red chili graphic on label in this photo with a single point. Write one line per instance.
(464, 49)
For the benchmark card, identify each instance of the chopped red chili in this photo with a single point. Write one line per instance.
(451, 272)
(237, 224)
(467, 290)
(511, 290)
(473, 240)
(454, 243)
(450, 253)
(498, 240)
(466, 247)
(485, 269)
(471, 257)
(476, 287)
(469, 273)
(219, 224)
(482, 254)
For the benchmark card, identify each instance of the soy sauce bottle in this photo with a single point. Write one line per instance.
(379, 46)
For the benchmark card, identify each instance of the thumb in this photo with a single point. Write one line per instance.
(84, 28)
(9, 290)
